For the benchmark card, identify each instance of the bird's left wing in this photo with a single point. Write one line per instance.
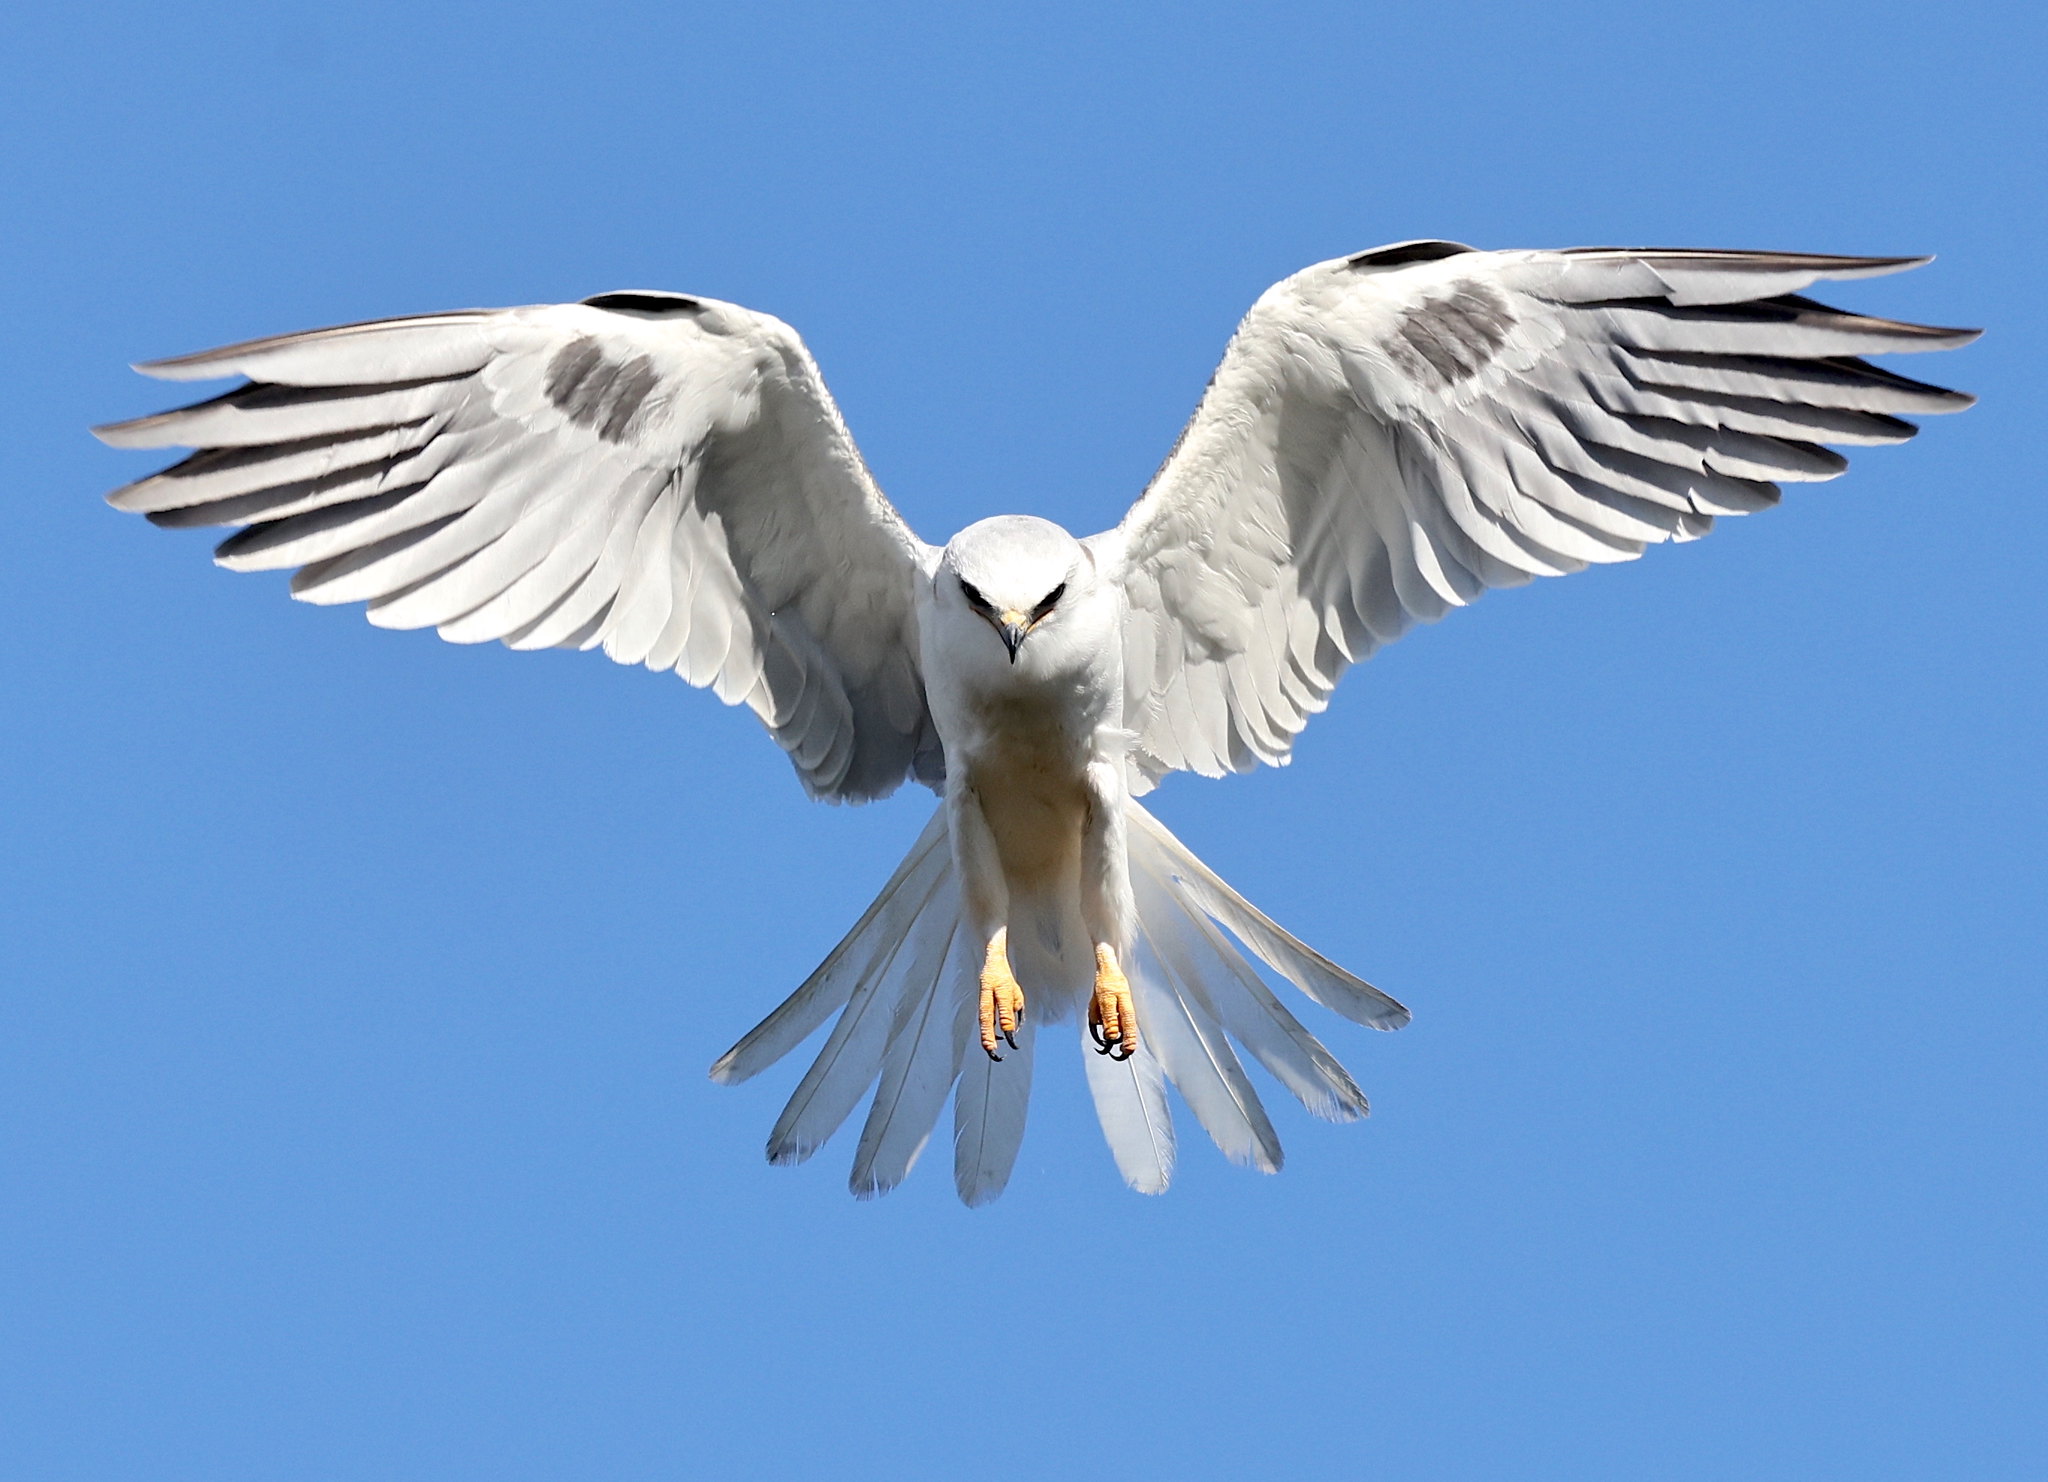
(662, 477)
(1391, 434)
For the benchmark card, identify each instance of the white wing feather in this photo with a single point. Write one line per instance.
(665, 478)
(1392, 434)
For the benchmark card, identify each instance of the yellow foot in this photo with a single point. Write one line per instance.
(1002, 998)
(1112, 1017)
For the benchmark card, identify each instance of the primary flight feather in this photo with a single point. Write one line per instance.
(666, 478)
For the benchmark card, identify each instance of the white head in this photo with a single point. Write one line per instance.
(1016, 573)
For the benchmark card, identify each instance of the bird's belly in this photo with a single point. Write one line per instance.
(1036, 822)
(1030, 781)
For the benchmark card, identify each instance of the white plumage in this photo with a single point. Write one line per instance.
(666, 478)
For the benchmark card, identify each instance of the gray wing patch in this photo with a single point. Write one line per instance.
(599, 393)
(1445, 340)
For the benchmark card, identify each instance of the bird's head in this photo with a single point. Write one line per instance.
(1012, 572)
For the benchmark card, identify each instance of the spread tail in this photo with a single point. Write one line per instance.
(904, 985)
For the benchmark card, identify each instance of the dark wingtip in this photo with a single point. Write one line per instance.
(1398, 254)
(653, 303)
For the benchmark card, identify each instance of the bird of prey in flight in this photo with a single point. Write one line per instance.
(664, 477)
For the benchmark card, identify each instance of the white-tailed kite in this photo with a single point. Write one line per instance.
(666, 478)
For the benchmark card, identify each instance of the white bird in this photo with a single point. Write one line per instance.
(666, 478)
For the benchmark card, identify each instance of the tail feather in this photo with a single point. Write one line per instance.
(1130, 1102)
(1279, 1041)
(853, 1052)
(903, 983)
(1239, 998)
(1289, 956)
(988, 1107)
(850, 963)
(1197, 1058)
(917, 1074)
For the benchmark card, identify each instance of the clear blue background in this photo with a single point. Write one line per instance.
(359, 988)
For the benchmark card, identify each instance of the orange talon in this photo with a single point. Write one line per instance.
(1002, 997)
(1112, 1017)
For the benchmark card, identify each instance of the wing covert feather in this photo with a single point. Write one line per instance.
(1392, 434)
(662, 477)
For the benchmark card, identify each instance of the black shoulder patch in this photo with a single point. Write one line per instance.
(1420, 250)
(592, 391)
(650, 301)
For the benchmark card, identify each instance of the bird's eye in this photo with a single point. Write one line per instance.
(1051, 600)
(973, 594)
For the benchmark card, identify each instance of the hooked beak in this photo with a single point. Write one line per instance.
(1011, 626)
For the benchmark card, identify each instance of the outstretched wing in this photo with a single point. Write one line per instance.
(662, 477)
(1391, 434)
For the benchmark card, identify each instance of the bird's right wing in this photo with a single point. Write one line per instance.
(662, 477)
(1392, 434)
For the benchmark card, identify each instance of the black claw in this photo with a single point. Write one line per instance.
(992, 1055)
(1105, 1044)
(1009, 1038)
(1129, 1050)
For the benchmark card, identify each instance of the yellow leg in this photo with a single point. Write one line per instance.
(1112, 1017)
(1002, 998)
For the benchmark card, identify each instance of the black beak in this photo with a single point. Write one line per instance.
(1012, 635)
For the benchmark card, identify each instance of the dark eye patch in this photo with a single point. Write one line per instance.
(973, 594)
(1051, 600)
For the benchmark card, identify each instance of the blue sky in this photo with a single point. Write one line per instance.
(358, 989)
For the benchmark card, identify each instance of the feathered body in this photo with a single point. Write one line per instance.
(1034, 737)
(1389, 435)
